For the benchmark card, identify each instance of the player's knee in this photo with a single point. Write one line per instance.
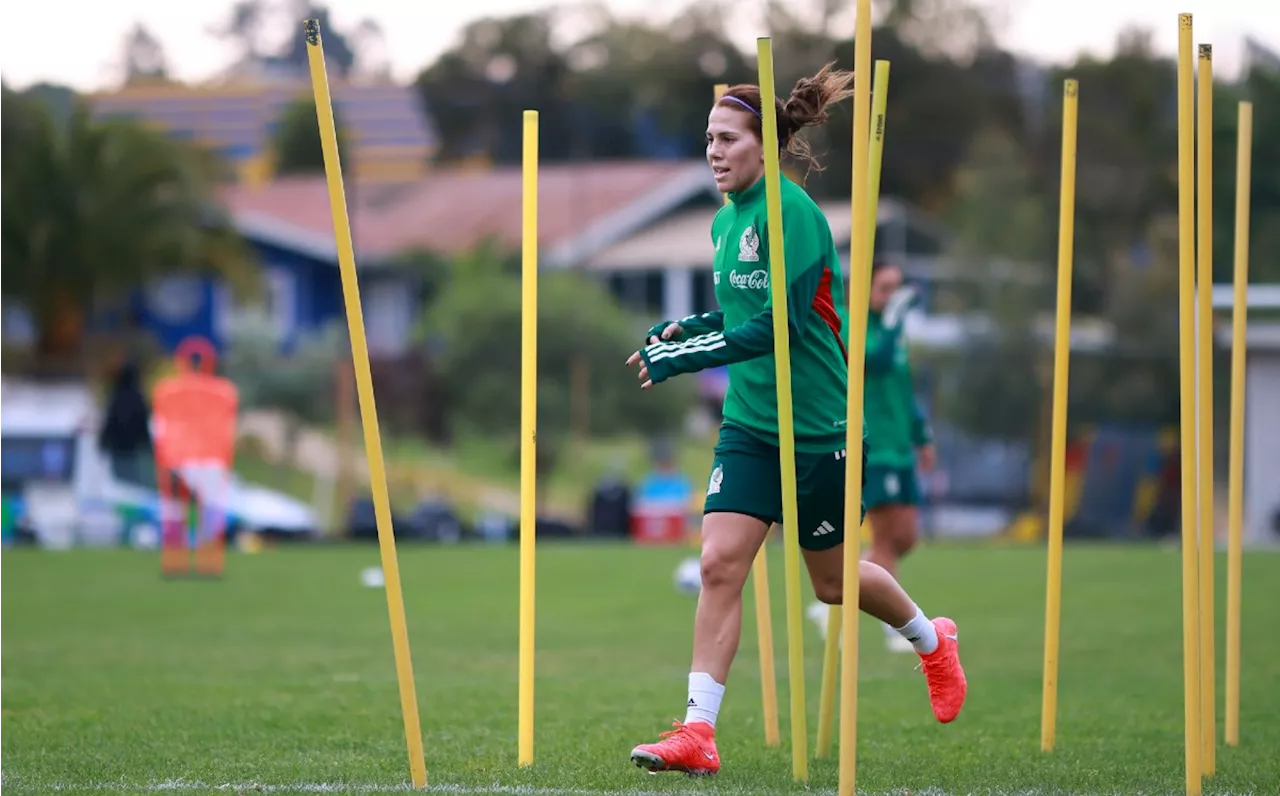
(729, 545)
(894, 530)
(905, 534)
(829, 590)
(724, 568)
(905, 538)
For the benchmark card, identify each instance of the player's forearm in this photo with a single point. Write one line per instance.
(921, 433)
(690, 326)
(702, 323)
(742, 343)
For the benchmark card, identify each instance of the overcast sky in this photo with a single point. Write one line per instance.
(78, 42)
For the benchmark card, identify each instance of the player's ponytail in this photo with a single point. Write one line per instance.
(806, 106)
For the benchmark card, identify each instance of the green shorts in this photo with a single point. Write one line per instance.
(891, 486)
(746, 478)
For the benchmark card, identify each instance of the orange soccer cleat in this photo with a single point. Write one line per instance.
(690, 748)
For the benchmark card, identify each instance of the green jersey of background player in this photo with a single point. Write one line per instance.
(744, 490)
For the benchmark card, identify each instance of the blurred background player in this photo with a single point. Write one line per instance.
(744, 492)
(898, 435)
(125, 435)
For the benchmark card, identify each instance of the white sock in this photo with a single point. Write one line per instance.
(704, 698)
(921, 633)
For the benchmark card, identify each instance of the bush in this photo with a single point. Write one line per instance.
(300, 382)
(473, 331)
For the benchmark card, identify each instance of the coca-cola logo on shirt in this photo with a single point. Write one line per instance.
(755, 280)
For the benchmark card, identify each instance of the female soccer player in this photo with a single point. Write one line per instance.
(744, 492)
(897, 434)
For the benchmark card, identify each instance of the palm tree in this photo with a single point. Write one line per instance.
(94, 209)
(243, 26)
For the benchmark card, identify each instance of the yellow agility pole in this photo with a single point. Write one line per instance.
(1204, 405)
(528, 427)
(858, 295)
(786, 427)
(368, 411)
(831, 650)
(1235, 501)
(764, 615)
(1187, 398)
(1061, 361)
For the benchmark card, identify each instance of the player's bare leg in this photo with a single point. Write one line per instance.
(893, 535)
(729, 545)
(880, 595)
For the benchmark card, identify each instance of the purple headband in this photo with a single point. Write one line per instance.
(743, 104)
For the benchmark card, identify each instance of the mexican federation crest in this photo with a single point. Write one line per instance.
(749, 246)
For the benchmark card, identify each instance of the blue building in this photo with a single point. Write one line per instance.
(301, 293)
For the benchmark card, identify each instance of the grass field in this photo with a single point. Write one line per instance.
(280, 678)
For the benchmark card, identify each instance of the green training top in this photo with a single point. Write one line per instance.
(740, 334)
(895, 424)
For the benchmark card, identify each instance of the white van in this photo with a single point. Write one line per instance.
(61, 488)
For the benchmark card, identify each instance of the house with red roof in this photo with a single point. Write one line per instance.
(583, 208)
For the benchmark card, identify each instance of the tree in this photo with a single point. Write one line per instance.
(345, 50)
(476, 92)
(1262, 87)
(999, 211)
(1126, 168)
(1002, 240)
(935, 108)
(243, 26)
(1135, 379)
(369, 41)
(145, 60)
(629, 87)
(643, 90)
(296, 140)
(472, 331)
(58, 100)
(22, 121)
(954, 29)
(339, 51)
(94, 209)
